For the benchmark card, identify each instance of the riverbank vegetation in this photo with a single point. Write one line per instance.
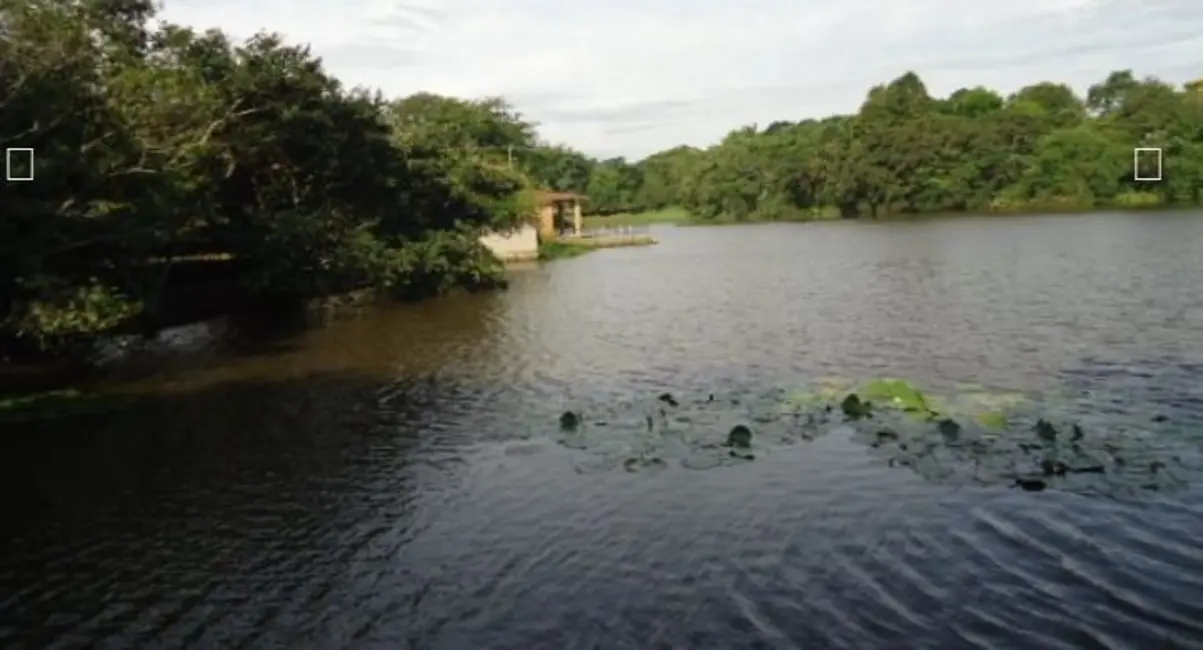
(179, 171)
(560, 250)
(1041, 148)
(668, 214)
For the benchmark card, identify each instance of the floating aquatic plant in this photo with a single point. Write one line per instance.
(898, 394)
(976, 437)
(948, 427)
(739, 436)
(856, 409)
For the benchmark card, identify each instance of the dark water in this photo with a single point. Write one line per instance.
(399, 480)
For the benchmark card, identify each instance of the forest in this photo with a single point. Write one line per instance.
(1042, 148)
(161, 149)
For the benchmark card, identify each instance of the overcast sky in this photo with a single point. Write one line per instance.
(630, 77)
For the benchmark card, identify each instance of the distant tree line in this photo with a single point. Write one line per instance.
(156, 143)
(1041, 148)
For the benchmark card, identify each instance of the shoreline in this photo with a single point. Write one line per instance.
(68, 385)
(693, 222)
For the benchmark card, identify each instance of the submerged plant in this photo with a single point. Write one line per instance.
(1000, 439)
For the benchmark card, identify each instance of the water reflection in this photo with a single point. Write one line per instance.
(400, 479)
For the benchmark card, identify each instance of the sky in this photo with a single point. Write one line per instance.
(632, 77)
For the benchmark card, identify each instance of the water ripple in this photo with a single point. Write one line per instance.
(398, 480)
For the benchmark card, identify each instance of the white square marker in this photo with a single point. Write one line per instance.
(1146, 164)
(18, 164)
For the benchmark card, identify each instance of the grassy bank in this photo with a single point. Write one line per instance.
(1129, 201)
(566, 248)
(665, 215)
(562, 250)
(681, 217)
(786, 216)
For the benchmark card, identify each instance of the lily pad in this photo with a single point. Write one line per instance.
(854, 408)
(949, 427)
(1030, 484)
(978, 438)
(739, 436)
(636, 463)
(1045, 430)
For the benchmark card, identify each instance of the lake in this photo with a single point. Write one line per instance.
(401, 479)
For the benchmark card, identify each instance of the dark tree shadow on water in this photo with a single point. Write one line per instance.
(178, 499)
(142, 452)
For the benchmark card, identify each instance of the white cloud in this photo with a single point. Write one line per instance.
(629, 77)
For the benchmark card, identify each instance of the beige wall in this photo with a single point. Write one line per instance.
(516, 246)
(546, 220)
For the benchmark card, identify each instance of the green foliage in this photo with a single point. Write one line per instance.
(62, 312)
(898, 393)
(1042, 148)
(663, 215)
(559, 250)
(1138, 200)
(154, 141)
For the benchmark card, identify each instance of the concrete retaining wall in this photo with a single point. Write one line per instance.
(516, 246)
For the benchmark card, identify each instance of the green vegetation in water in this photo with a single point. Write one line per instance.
(972, 436)
(569, 421)
(560, 250)
(899, 394)
(855, 408)
(58, 404)
(740, 436)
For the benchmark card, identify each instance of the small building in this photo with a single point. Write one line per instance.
(559, 214)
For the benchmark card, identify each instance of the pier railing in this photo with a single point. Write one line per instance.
(616, 231)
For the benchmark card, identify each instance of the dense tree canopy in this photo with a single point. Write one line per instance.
(157, 143)
(905, 151)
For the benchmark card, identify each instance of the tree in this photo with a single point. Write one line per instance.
(906, 152)
(155, 142)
